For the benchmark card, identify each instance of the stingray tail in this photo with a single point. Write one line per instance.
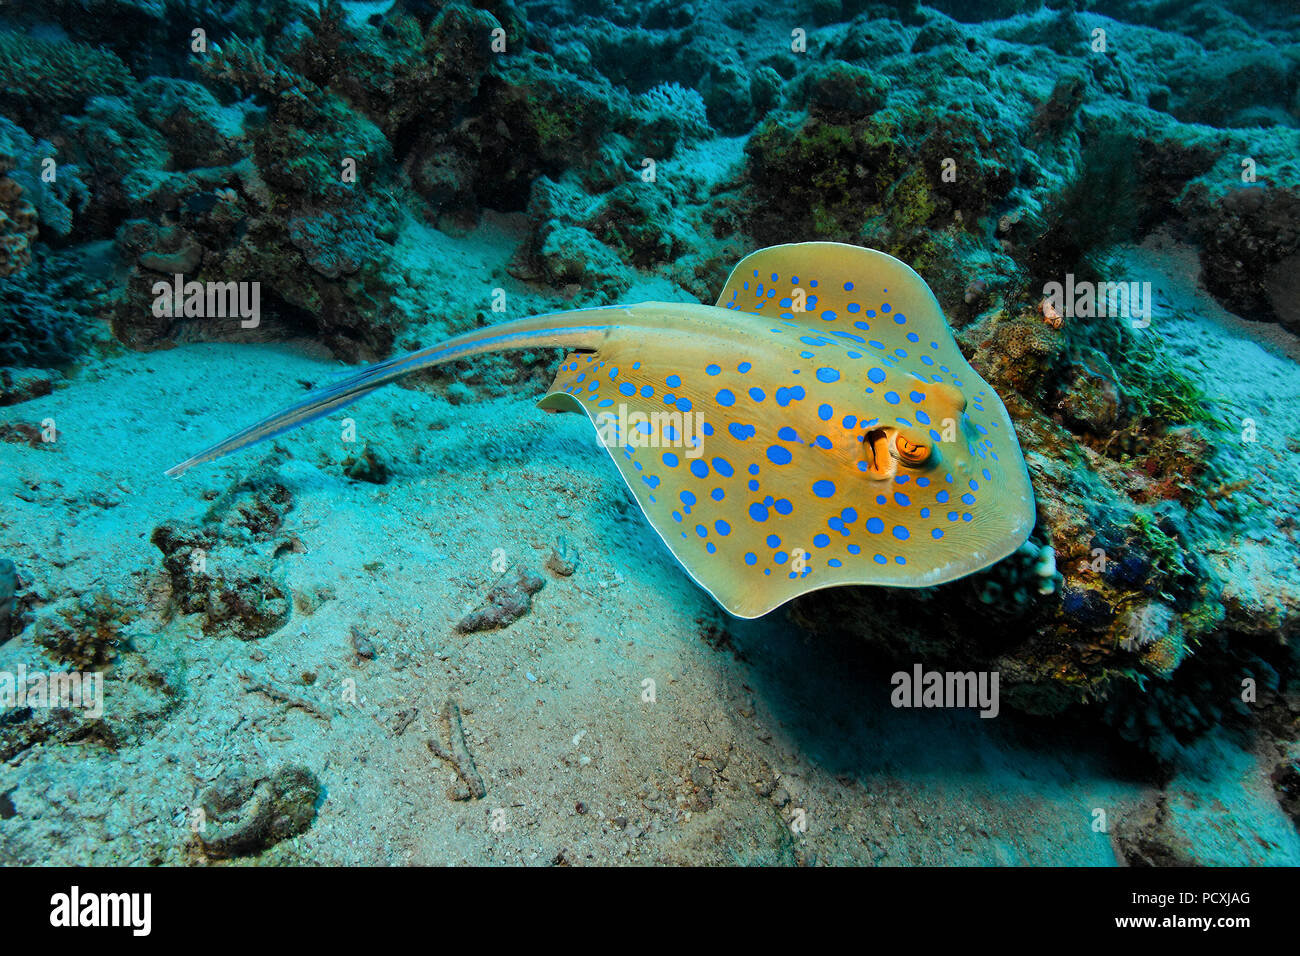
(580, 328)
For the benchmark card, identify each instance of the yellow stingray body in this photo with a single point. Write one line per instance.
(818, 426)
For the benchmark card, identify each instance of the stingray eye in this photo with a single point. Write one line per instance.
(910, 453)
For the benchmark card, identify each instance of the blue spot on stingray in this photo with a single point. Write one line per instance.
(699, 469)
(717, 494)
(922, 417)
(647, 391)
(684, 404)
(773, 541)
(901, 533)
(787, 434)
(876, 375)
(673, 381)
(901, 499)
(829, 316)
(783, 506)
(670, 459)
(751, 558)
(917, 397)
(875, 525)
(784, 396)
(892, 398)
(968, 498)
(942, 497)
(722, 527)
(987, 476)
(779, 455)
(726, 397)
(651, 480)
(723, 467)
(688, 499)
(744, 367)
(758, 512)
(757, 394)
(643, 427)
(712, 369)
(753, 485)
(827, 374)
(780, 557)
(824, 412)
(677, 516)
(937, 533)
(880, 559)
(823, 488)
(741, 432)
(821, 540)
(627, 388)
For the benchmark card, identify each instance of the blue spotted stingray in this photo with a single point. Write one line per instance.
(817, 427)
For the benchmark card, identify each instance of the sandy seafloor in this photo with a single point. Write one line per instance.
(755, 725)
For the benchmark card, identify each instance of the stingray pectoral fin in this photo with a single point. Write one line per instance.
(765, 453)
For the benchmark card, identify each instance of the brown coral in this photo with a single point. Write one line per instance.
(17, 224)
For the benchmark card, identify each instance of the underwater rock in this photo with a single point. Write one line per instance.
(842, 89)
(1286, 784)
(1146, 838)
(238, 594)
(245, 814)
(507, 601)
(370, 465)
(469, 783)
(1089, 397)
(362, 646)
(198, 130)
(85, 633)
(1251, 253)
(563, 559)
(43, 79)
(9, 583)
(667, 114)
(572, 256)
(1018, 354)
(18, 227)
(1153, 631)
